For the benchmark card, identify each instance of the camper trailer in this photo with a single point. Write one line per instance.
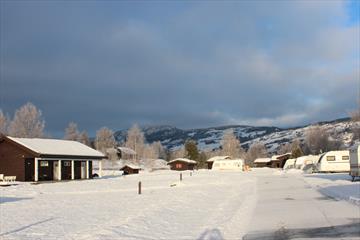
(227, 164)
(355, 162)
(303, 161)
(289, 164)
(334, 161)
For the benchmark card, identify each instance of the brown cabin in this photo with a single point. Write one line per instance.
(262, 162)
(130, 169)
(182, 164)
(36, 159)
(278, 161)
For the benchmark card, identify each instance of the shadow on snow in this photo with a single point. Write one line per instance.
(335, 232)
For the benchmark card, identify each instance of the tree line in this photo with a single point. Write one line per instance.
(28, 122)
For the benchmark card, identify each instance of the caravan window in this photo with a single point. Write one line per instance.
(330, 158)
(345, 157)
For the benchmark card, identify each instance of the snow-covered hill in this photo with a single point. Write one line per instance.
(210, 138)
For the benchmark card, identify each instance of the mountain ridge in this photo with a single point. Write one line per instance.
(209, 138)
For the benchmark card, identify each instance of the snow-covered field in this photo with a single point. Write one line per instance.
(206, 205)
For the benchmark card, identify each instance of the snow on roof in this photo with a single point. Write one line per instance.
(127, 150)
(275, 157)
(182, 160)
(57, 147)
(218, 158)
(262, 160)
(133, 166)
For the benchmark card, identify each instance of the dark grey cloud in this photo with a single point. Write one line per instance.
(186, 64)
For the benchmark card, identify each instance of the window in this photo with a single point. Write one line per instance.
(345, 157)
(178, 165)
(330, 158)
(44, 163)
(67, 164)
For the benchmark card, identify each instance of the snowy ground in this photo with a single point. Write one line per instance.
(262, 204)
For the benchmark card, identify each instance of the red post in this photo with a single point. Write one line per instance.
(139, 188)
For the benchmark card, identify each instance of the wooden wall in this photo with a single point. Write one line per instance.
(181, 166)
(12, 160)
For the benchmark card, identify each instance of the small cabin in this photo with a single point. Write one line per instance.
(38, 159)
(182, 164)
(130, 169)
(278, 161)
(210, 161)
(262, 162)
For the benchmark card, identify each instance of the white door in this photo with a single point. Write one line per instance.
(83, 170)
(56, 170)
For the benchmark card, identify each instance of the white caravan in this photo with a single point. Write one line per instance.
(355, 161)
(227, 164)
(301, 162)
(334, 161)
(289, 164)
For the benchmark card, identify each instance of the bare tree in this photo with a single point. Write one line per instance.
(72, 132)
(150, 152)
(84, 138)
(179, 153)
(317, 140)
(4, 123)
(27, 122)
(231, 145)
(104, 139)
(256, 150)
(285, 148)
(135, 140)
(159, 149)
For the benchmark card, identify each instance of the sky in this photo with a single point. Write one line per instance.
(188, 64)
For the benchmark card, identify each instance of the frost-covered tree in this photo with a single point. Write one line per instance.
(72, 132)
(179, 153)
(104, 139)
(4, 123)
(27, 122)
(317, 140)
(150, 152)
(84, 138)
(231, 145)
(285, 148)
(256, 150)
(135, 140)
(159, 149)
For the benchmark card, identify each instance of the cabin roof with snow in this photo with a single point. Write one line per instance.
(262, 160)
(277, 157)
(182, 160)
(132, 166)
(215, 158)
(127, 150)
(56, 147)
